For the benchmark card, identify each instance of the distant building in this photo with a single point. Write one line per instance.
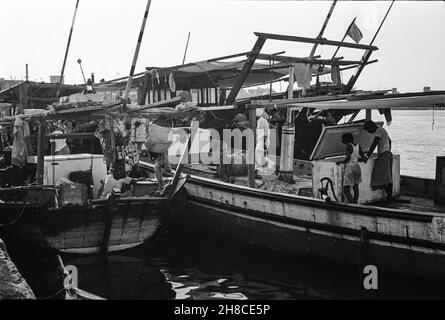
(56, 79)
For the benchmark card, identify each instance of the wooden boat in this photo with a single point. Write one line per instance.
(404, 236)
(121, 223)
(67, 217)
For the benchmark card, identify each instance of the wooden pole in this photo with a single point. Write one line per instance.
(322, 41)
(136, 53)
(23, 97)
(323, 28)
(27, 75)
(251, 149)
(290, 91)
(344, 37)
(303, 92)
(246, 70)
(68, 44)
(365, 57)
(186, 47)
(40, 151)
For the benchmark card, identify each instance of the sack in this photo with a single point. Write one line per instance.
(158, 134)
(157, 147)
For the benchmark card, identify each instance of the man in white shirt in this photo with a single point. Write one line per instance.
(382, 171)
(263, 139)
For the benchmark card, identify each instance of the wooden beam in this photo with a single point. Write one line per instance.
(357, 72)
(143, 91)
(23, 97)
(163, 103)
(250, 152)
(311, 40)
(40, 151)
(287, 59)
(245, 71)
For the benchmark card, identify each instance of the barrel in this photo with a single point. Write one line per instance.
(287, 148)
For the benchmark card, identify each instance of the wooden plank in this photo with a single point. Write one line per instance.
(167, 102)
(321, 41)
(287, 59)
(250, 152)
(246, 70)
(40, 151)
(357, 72)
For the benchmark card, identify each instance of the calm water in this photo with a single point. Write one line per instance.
(180, 264)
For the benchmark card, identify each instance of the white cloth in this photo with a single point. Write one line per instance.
(19, 150)
(303, 74)
(172, 82)
(59, 144)
(355, 155)
(110, 183)
(262, 134)
(384, 140)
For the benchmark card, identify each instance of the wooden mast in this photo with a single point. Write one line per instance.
(186, 47)
(40, 150)
(311, 55)
(136, 54)
(69, 42)
(246, 69)
(365, 57)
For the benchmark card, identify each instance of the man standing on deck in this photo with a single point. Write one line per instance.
(157, 145)
(382, 171)
(263, 139)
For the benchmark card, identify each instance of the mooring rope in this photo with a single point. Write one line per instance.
(52, 296)
(15, 219)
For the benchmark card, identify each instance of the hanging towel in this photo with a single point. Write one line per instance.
(303, 74)
(335, 74)
(19, 152)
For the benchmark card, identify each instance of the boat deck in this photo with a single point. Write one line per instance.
(303, 187)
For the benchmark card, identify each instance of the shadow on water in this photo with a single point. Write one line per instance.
(180, 264)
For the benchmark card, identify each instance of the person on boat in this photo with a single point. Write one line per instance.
(382, 171)
(263, 139)
(110, 183)
(157, 145)
(59, 146)
(352, 174)
(278, 119)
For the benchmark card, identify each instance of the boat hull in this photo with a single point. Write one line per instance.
(410, 243)
(296, 238)
(83, 229)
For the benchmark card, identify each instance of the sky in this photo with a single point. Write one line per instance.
(411, 44)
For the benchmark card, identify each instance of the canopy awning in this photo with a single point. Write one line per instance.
(206, 74)
(405, 102)
(38, 93)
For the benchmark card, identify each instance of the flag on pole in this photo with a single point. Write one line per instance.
(354, 32)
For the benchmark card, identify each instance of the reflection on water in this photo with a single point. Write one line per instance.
(179, 264)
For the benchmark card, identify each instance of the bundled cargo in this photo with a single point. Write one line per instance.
(158, 138)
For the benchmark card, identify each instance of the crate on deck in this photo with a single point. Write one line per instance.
(73, 194)
(40, 196)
